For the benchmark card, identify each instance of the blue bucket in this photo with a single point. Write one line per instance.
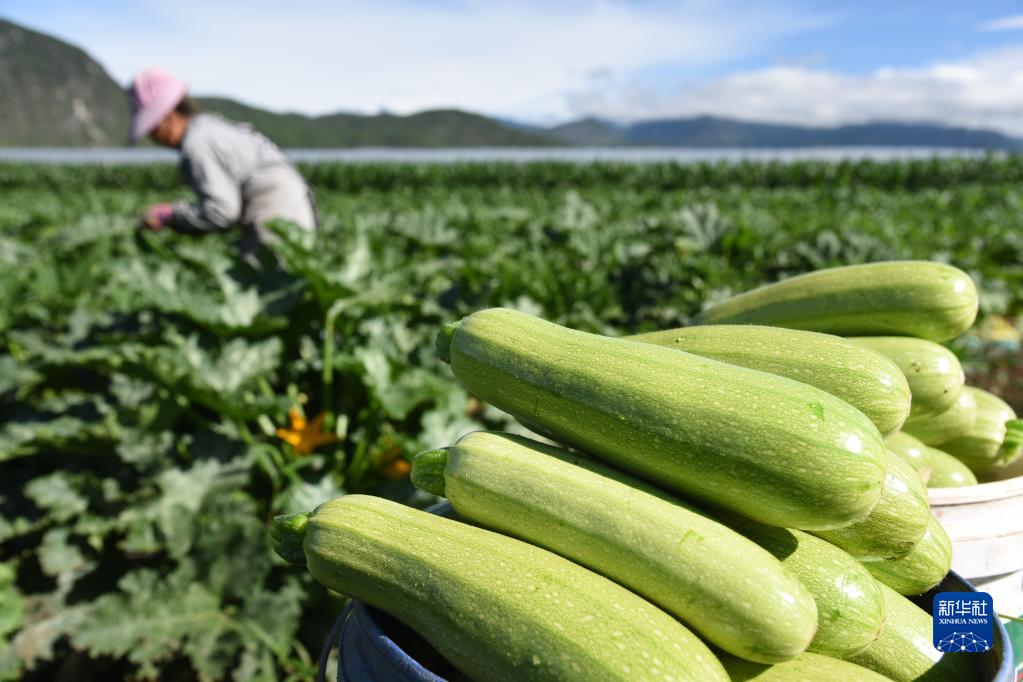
(376, 647)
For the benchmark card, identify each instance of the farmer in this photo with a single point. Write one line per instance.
(240, 177)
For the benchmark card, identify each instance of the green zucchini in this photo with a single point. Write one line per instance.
(860, 376)
(807, 668)
(494, 607)
(910, 450)
(979, 446)
(924, 567)
(898, 298)
(895, 524)
(904, 651)
(934, 373)
(1012, 446)
(946, 471)
(761, 445)
(941, 427)
(937, 469)
(630, 532)
(850, 607)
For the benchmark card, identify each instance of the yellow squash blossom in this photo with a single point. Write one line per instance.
(306, 436)
(397, 469)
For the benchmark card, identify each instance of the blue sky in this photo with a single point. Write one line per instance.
(545, 61)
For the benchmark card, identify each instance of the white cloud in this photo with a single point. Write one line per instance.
(984, 90)
(540, 60)
(1004, 24)
(516, 58)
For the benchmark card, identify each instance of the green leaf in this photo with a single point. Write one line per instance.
(58, 493)
(211, 299)
(231, 522)
(272, 618)
(63, 560)
(47, 620)
(226, 381)
(10, 664)
(145, 449)
(151, 619)
(12, 604)
(399, 392)
(305, 496)
(16, 375)
(22, 438)
(166, 521)
(131, 392)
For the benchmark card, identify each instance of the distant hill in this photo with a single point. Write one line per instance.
(591, 132)
(440, 128)
(54, 94)
(63, 97)
(710, 131)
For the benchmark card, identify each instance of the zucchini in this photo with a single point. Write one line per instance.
(761, 445)
(910, 450)
(904, 650)
(938, 428)
(807, 668)
(850, 607)
(895, 524)
(630, 532)
(860, 376)
(924, 567)
(946, 471)
(934, 373)
(1012, 446)
(936, 469)
(494, 607)
(898, 298)
(979, 446)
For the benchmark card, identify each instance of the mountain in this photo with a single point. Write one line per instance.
(590, 132)
(65, 98)
(711, 131)
(54, 94)
(438, 128)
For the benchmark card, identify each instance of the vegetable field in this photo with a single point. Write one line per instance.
(161, 401)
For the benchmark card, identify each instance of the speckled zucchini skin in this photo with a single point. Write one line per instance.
(979, 446)
(942, 427)
(934, 373)
(897, 298)
(945, 471)
(909, 449)
(922, 568)
(936, 468)
(862, 377)
(895, 524)
(764, 446)
(634, 534)
(904, 651)
(807, 668)
(850, 607)
(495, 607)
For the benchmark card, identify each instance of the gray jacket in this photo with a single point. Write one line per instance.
(240, 177)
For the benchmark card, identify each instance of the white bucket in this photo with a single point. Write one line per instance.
(985, 524)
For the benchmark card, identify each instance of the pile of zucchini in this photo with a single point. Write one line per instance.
(740, 499)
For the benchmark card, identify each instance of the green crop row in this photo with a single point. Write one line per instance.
(146, 380)
(903, 175)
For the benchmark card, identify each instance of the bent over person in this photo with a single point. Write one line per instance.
(240, 176)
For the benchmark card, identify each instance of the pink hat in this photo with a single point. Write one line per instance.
(153, 95)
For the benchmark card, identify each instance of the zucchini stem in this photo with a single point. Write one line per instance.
(443, 344)
(287, 532)
(428, 471)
